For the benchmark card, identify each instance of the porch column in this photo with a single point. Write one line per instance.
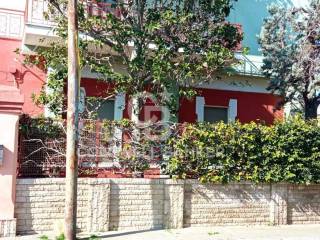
(11, 102)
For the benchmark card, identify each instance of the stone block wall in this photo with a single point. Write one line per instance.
(40, 204)
(303, 204)
(141, 204)
(8, 228)
(136, 204)
(235, 204)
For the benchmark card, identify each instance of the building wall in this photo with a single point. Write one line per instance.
(18, 5)
(251, 106)
(254, 101)
(12, 71)
(141, 204)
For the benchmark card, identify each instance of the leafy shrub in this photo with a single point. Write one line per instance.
(285, 152)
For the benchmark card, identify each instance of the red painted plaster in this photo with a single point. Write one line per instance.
(251, 106)
(13, 73)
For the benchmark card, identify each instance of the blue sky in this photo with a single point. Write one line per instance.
(250, 13)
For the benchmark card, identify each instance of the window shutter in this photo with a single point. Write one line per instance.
(232, 110)
(119, 106)
(200, 108)
(82, 100)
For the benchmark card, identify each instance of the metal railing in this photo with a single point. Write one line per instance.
(36, 10)
(11, 23)
(103, 146)
(35, 13)
(246, 66)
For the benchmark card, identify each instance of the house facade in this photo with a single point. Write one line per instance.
(242, 96)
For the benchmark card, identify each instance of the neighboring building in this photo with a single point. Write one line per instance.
(242, 96)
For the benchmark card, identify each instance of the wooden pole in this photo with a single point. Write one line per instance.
(72, 123)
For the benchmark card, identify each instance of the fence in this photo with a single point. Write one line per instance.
(117, 204)
(121, 148)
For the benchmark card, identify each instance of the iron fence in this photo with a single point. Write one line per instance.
(103, 146)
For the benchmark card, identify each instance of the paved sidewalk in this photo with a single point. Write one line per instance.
(291, 232)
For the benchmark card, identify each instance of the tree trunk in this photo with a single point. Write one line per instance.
(311, 105)
(72, 123)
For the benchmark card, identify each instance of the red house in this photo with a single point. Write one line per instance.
(242, 96)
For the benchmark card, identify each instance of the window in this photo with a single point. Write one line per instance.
(106, 110)
(102, 109)
(215, 114)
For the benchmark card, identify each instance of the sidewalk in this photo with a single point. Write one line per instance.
(290, 232)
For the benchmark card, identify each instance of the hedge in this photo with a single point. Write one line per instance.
(284, 152)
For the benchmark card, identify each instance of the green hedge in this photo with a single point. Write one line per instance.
(285, 152)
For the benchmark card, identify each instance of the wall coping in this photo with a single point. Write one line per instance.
(144, 181)
(11, 100)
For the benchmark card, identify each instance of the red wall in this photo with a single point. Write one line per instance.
(95, 88)
(251, 106)
(12, 71)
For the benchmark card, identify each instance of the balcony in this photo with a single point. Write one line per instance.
(34, 13)
(11, 24)
(37, 27)
(249, 65)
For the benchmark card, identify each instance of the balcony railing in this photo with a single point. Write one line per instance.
(35, 12)
(35, 16)
(11, 24)
(37, 8)
(248, 66)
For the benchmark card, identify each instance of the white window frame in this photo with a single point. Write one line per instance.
(119, 106)
(232, 109)
(216, 106)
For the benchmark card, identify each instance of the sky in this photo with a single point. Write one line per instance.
(250, 14)
(299, 3)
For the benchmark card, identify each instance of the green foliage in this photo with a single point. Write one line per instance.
(94, 237)
(60, 237)
(159, 45)
(40, 127)
(288, 43)
(44, 237)
(285, 152)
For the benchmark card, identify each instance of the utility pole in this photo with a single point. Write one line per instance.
(72, 123)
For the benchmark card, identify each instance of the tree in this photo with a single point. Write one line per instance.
(164, 47)
(290, 43)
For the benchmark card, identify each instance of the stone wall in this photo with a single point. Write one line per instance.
(137, 204)
(236, 204)
(303, 204)
(7, 228)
